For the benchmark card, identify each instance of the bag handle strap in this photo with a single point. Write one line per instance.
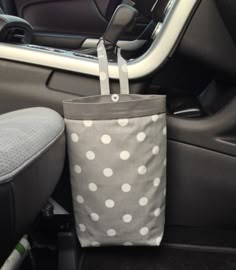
(123, 74)
(104, 73)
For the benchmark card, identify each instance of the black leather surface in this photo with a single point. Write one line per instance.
(208, 42)
(66, 24)
(22, 198)
(69, 42)
(74, 17)
(227, 9)
(201, 188)
(111, 8)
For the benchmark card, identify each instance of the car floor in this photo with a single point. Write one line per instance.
(164, 258)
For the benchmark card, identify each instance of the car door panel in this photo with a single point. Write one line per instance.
(201, 187)
(18, 91)
(47, 87)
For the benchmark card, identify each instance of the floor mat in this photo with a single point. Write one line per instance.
(165, 258)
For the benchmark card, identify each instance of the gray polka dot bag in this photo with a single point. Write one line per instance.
(117, 156)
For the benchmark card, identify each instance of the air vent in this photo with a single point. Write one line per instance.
(16, 35)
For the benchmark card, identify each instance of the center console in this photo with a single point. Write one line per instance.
(165, 38)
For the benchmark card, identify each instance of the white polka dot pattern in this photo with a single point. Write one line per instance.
(142, 170)
(108, 172)
(93, 187)
(126, 188)
(109, 203)
(74, 137)
(127, 218)
(90, 155)
(82, 227)
(80, 199)
(141, 136)
(143, 201)
(157, 212)
(156, 182)
(118, 180)
(77, 169)
(144, 231)
(155, 150)
(94, 217)
(111, 232)
(106, 139)
(123, 122)
(155, 117)
(88, 123)
(124, 155)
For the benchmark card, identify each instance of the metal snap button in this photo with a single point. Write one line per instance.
(115, 98)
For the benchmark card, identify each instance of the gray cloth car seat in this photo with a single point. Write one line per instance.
(32, 152)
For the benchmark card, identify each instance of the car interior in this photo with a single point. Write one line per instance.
(184, 49)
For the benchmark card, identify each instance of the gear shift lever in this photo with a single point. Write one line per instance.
(123, 18)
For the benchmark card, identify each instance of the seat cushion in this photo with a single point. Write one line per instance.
(24, 136)
(32, 152)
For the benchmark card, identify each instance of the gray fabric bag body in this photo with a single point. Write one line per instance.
(117, 156)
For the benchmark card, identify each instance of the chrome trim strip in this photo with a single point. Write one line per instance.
(123, 44)
(187, 111)
(144, 65)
